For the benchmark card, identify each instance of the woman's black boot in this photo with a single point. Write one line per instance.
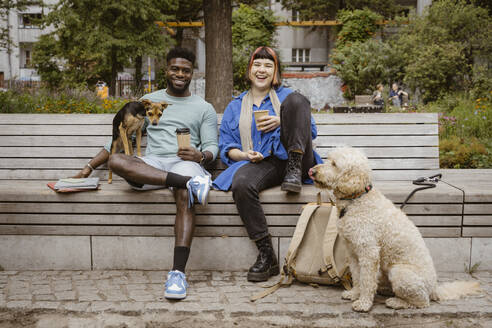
(293, 175)
(266, 264)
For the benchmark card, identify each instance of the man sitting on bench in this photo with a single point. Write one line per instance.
(166, 166)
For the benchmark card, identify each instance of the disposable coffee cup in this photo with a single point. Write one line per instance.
(258, 114)
(183, 137)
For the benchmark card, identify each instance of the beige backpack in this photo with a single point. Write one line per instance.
(316, 253)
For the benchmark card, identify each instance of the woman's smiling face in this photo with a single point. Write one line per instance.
(261, 73)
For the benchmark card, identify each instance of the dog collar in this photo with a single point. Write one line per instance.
(355, 196)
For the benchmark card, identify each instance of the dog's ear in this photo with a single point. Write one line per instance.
(164, 105)
(353, 179)
(147, 103)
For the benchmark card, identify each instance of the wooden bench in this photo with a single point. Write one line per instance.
(364, 100)
(117, 227)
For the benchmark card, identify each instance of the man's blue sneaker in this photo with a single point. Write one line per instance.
(175, 285)
(198, 187)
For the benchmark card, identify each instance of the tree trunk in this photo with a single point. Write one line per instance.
(9, 47)
(114, 73)
(218, 40)
(138, 72)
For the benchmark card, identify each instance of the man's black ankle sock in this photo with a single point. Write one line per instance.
(181, 254)
(176, 180)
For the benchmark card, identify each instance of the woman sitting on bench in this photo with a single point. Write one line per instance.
(262, 152)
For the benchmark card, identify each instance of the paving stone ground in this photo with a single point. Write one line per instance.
(117, 299)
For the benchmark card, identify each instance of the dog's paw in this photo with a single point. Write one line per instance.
(397, 303)
(350, 295)
(361, 305)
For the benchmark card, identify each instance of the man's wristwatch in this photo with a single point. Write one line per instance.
(202, 160)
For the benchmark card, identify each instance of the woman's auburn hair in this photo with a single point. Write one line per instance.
(264, 52)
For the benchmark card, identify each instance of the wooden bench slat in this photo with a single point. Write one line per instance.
(136, 208)
(77, 163)
(484, 220)
(56, 130)
(484, 231)
(58, 144)
(201, 220)
(170, 208)
(363, 118)
(53, 175)
(105, 130)
(483, 208)
(377, 141)
(53, 141)
(119, 191)
(216, 231)
(377, 130)
(169, 231)
(43, 119)
(140, 219)
(436, 220)
(442, 232)
(89, 152)
(323, 130)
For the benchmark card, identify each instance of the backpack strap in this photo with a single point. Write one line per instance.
(331, 234)
(280, 283)
(301, 226)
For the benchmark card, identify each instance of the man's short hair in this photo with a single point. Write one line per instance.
(179, 52)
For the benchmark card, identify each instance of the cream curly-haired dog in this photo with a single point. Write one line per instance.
(385, 247)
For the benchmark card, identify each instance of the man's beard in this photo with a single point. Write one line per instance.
(179, 91)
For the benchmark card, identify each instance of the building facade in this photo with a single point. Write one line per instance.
(300, 48)
(24, 33)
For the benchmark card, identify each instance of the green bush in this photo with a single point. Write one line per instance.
(464, 130)
(363, 65)
(66, 101)
(446, 50)
(458, 153)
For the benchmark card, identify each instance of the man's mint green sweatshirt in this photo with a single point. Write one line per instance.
(191, 112)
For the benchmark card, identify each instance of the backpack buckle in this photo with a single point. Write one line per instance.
(325, 269)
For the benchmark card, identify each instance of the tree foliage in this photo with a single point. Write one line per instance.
(251, 28)
(357, 25)
(363, 65)
(327, 9)
(449, 48)
(96, 39)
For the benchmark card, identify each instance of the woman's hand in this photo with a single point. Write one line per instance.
(268, 123)
(239, 155)
(254, 156)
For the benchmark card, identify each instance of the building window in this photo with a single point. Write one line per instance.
(28, 59)
(301, 55)
(29, 20)
(295, 16)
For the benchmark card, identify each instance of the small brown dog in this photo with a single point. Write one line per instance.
(129, 120)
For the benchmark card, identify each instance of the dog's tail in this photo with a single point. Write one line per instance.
(455, 290)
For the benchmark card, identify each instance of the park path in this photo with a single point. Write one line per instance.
(117, 299)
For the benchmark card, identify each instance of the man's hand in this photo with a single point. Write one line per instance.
(84, 173)
(254, 156)
(190, 154)
(268, 123)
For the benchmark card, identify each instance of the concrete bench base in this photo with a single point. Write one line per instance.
(207, 253)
